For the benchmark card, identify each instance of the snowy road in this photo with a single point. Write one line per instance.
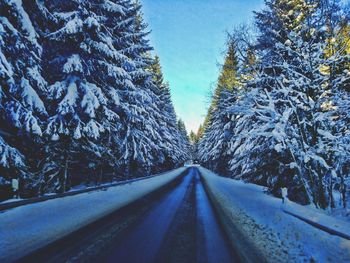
(177, 224)
(181, 228)
(169, 220)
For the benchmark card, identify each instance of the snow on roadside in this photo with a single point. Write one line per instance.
(79, 189)
(278, 236)
(315, 217)
(27, 228)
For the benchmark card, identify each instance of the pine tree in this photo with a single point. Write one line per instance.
(337, 49)
(200, 131)
(84, 70)
(213, 146)
(22, 90)
(193, 137)
(336, 69)
(139, 112)
(100, 105)
(228, 79)
(174, 149)
(289, 110)
(11, 162)
(289, 84)
(185, 143)
(283, 128)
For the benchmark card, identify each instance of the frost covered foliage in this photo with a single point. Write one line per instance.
(20, 71)
(289, 124)
(175, 146)
(22, 88)
(78, 89)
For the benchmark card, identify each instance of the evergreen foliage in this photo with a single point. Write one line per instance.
(81, 98)
(22, 92)
(285, 125)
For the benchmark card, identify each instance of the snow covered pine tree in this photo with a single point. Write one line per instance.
(22, 88)
(96, 112)
(286, 125)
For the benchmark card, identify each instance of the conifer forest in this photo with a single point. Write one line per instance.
(82, 101)
(99, 160)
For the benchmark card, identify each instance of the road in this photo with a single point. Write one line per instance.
(177, 224)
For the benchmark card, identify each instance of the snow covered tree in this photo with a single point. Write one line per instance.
(100, 105)
(212, 149)
(213, 146)
(290, 93)
(185, 143)
(140, 137)
(84, 70)
(11, 164)
(285, 128)
(22, 88)
(175, 149)
(337, 51)
(290, 120)
(336, 69)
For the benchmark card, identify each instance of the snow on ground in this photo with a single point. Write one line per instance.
(27, 228)
(318, 218)
(76, 190)
(260, 220)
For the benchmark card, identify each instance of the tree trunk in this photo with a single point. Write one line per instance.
(343, 191)
(127, 169)
(64, 176)
(101, 174)
(330, 193)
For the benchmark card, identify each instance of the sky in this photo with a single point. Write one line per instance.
(189, 36)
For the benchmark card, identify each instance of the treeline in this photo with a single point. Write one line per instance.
(81, 98)
(280, 114)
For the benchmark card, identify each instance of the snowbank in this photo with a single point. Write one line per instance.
(27, 228)
(11, 203)
(261, 231)
(318, 219)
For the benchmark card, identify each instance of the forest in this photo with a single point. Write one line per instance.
(82, 97)
(83, 100)
(280, 112)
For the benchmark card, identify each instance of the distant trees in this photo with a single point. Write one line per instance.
(213, 146)
(82, 100)
(282, 124)
(176, 147)
(193, 137)
(183, 137)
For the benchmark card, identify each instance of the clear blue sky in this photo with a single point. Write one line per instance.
(189, 36)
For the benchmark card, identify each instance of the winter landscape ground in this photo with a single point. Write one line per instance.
(96, 165)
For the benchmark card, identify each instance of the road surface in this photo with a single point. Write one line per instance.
(177, 224)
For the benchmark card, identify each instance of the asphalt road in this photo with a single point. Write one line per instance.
(177, 224)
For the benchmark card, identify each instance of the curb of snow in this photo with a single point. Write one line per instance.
(317, 219)
(28, 228)
(239, 240)
(268, 231)
(20, 202)
(312, 216)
